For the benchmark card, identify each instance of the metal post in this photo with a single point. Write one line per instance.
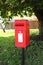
(23, 57)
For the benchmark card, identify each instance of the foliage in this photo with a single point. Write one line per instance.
(20, 6)
(9, 8)
(10, 55)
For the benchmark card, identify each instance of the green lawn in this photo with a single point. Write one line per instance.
(10, 55)
(7, 33)
(11, 32)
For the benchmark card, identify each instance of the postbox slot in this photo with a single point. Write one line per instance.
(19, 24)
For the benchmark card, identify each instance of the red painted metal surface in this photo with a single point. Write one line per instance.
(22, 33)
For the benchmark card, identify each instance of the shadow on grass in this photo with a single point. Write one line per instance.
(10, 55)
(36, 37)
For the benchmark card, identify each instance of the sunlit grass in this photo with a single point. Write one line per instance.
(12, 32)
(34, 31)
(7, 33)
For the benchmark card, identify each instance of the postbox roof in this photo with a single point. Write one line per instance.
(21, 21)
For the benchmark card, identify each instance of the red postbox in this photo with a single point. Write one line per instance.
(22, 33)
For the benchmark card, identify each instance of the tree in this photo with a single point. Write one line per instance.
(22, 7)
(38, 9)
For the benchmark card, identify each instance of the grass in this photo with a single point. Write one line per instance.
(11, 32)
(34, 31)
(10, 55)
(7, 33)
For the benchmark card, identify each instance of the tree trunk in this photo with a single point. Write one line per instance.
(41, 27)
(39, 14)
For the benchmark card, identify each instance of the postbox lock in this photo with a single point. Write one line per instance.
(20, 36)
